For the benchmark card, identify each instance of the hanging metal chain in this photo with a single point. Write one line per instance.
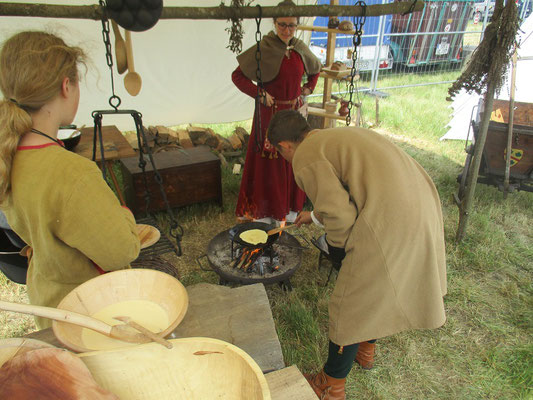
(260, 88)
(358, 23)
(176, 230)
(97, 133)
(114, 100)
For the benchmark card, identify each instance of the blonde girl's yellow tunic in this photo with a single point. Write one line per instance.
(379, 205)
(60, 206)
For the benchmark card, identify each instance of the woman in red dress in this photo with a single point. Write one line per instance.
(268, 191)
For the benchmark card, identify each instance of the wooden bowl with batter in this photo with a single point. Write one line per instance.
(151, 298)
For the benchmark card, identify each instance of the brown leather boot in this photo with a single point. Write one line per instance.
(365, 355)
(327, 387)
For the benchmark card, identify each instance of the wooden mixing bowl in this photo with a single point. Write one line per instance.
(119, 286)
(194, 369)
(10, 348)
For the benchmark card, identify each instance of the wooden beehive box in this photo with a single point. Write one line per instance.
(189, 176)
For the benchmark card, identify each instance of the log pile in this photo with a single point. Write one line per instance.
(160, 138)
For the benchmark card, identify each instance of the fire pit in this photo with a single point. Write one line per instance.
(275, 261)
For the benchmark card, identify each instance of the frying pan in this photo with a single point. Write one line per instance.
(236, 231)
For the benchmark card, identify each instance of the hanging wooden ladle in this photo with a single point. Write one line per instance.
(132, 80)
(121, 332)
(121, 57)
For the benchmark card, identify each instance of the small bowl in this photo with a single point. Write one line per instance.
(148, 235)
(69, 138)
(118, 286)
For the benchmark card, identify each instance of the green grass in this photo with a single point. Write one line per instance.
(485, 349)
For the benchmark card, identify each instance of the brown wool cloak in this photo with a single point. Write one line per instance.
(272, 53)
(380, 205)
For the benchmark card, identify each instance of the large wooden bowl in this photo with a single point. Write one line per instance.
(194, 369)
(118, 286)
(10, 348)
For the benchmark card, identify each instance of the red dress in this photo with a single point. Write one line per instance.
(268, 188)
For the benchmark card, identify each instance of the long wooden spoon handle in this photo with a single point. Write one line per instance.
(129, 51)
(152, 335)
(58, 315)
(277, 230)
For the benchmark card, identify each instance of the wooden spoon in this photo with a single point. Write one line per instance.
(121, 332)
(132, 80)
(120, 50)
(152, 335)
(277, 230)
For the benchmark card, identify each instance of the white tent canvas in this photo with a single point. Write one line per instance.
(465, 104)
(185, 66)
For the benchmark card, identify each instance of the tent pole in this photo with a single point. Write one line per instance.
(510, 125)
(466, 202)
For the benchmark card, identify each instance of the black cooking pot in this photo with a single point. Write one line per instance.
(236, 231)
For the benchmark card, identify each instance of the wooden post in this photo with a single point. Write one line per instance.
(330, 58)
(466, 202)
(510, 125)
(221, 12)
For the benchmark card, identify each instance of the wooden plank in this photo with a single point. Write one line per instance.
(110, 134)
(289, 383)
(322, 113)
(86, 149)
(184, 139)
(240, 316)
(324, 29)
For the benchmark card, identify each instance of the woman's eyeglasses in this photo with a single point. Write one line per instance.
(283, 25)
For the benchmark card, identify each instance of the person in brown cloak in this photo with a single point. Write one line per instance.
(384, 229)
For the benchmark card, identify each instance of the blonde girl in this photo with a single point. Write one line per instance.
(55, 200)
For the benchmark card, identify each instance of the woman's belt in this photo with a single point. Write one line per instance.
(285, 102)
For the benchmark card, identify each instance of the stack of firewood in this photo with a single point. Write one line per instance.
(160, 138)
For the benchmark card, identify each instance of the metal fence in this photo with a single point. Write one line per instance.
(428, 43)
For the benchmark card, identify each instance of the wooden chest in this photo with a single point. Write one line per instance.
(189, 176)
(493, 158)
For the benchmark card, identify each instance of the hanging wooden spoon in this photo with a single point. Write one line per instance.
(132, 80)
(121, 332)
(121, 57)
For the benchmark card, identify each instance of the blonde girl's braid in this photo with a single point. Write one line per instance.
(32, 68)
(14, 122)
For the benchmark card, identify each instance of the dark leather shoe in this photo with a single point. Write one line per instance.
(365, 355)
(327, 387)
